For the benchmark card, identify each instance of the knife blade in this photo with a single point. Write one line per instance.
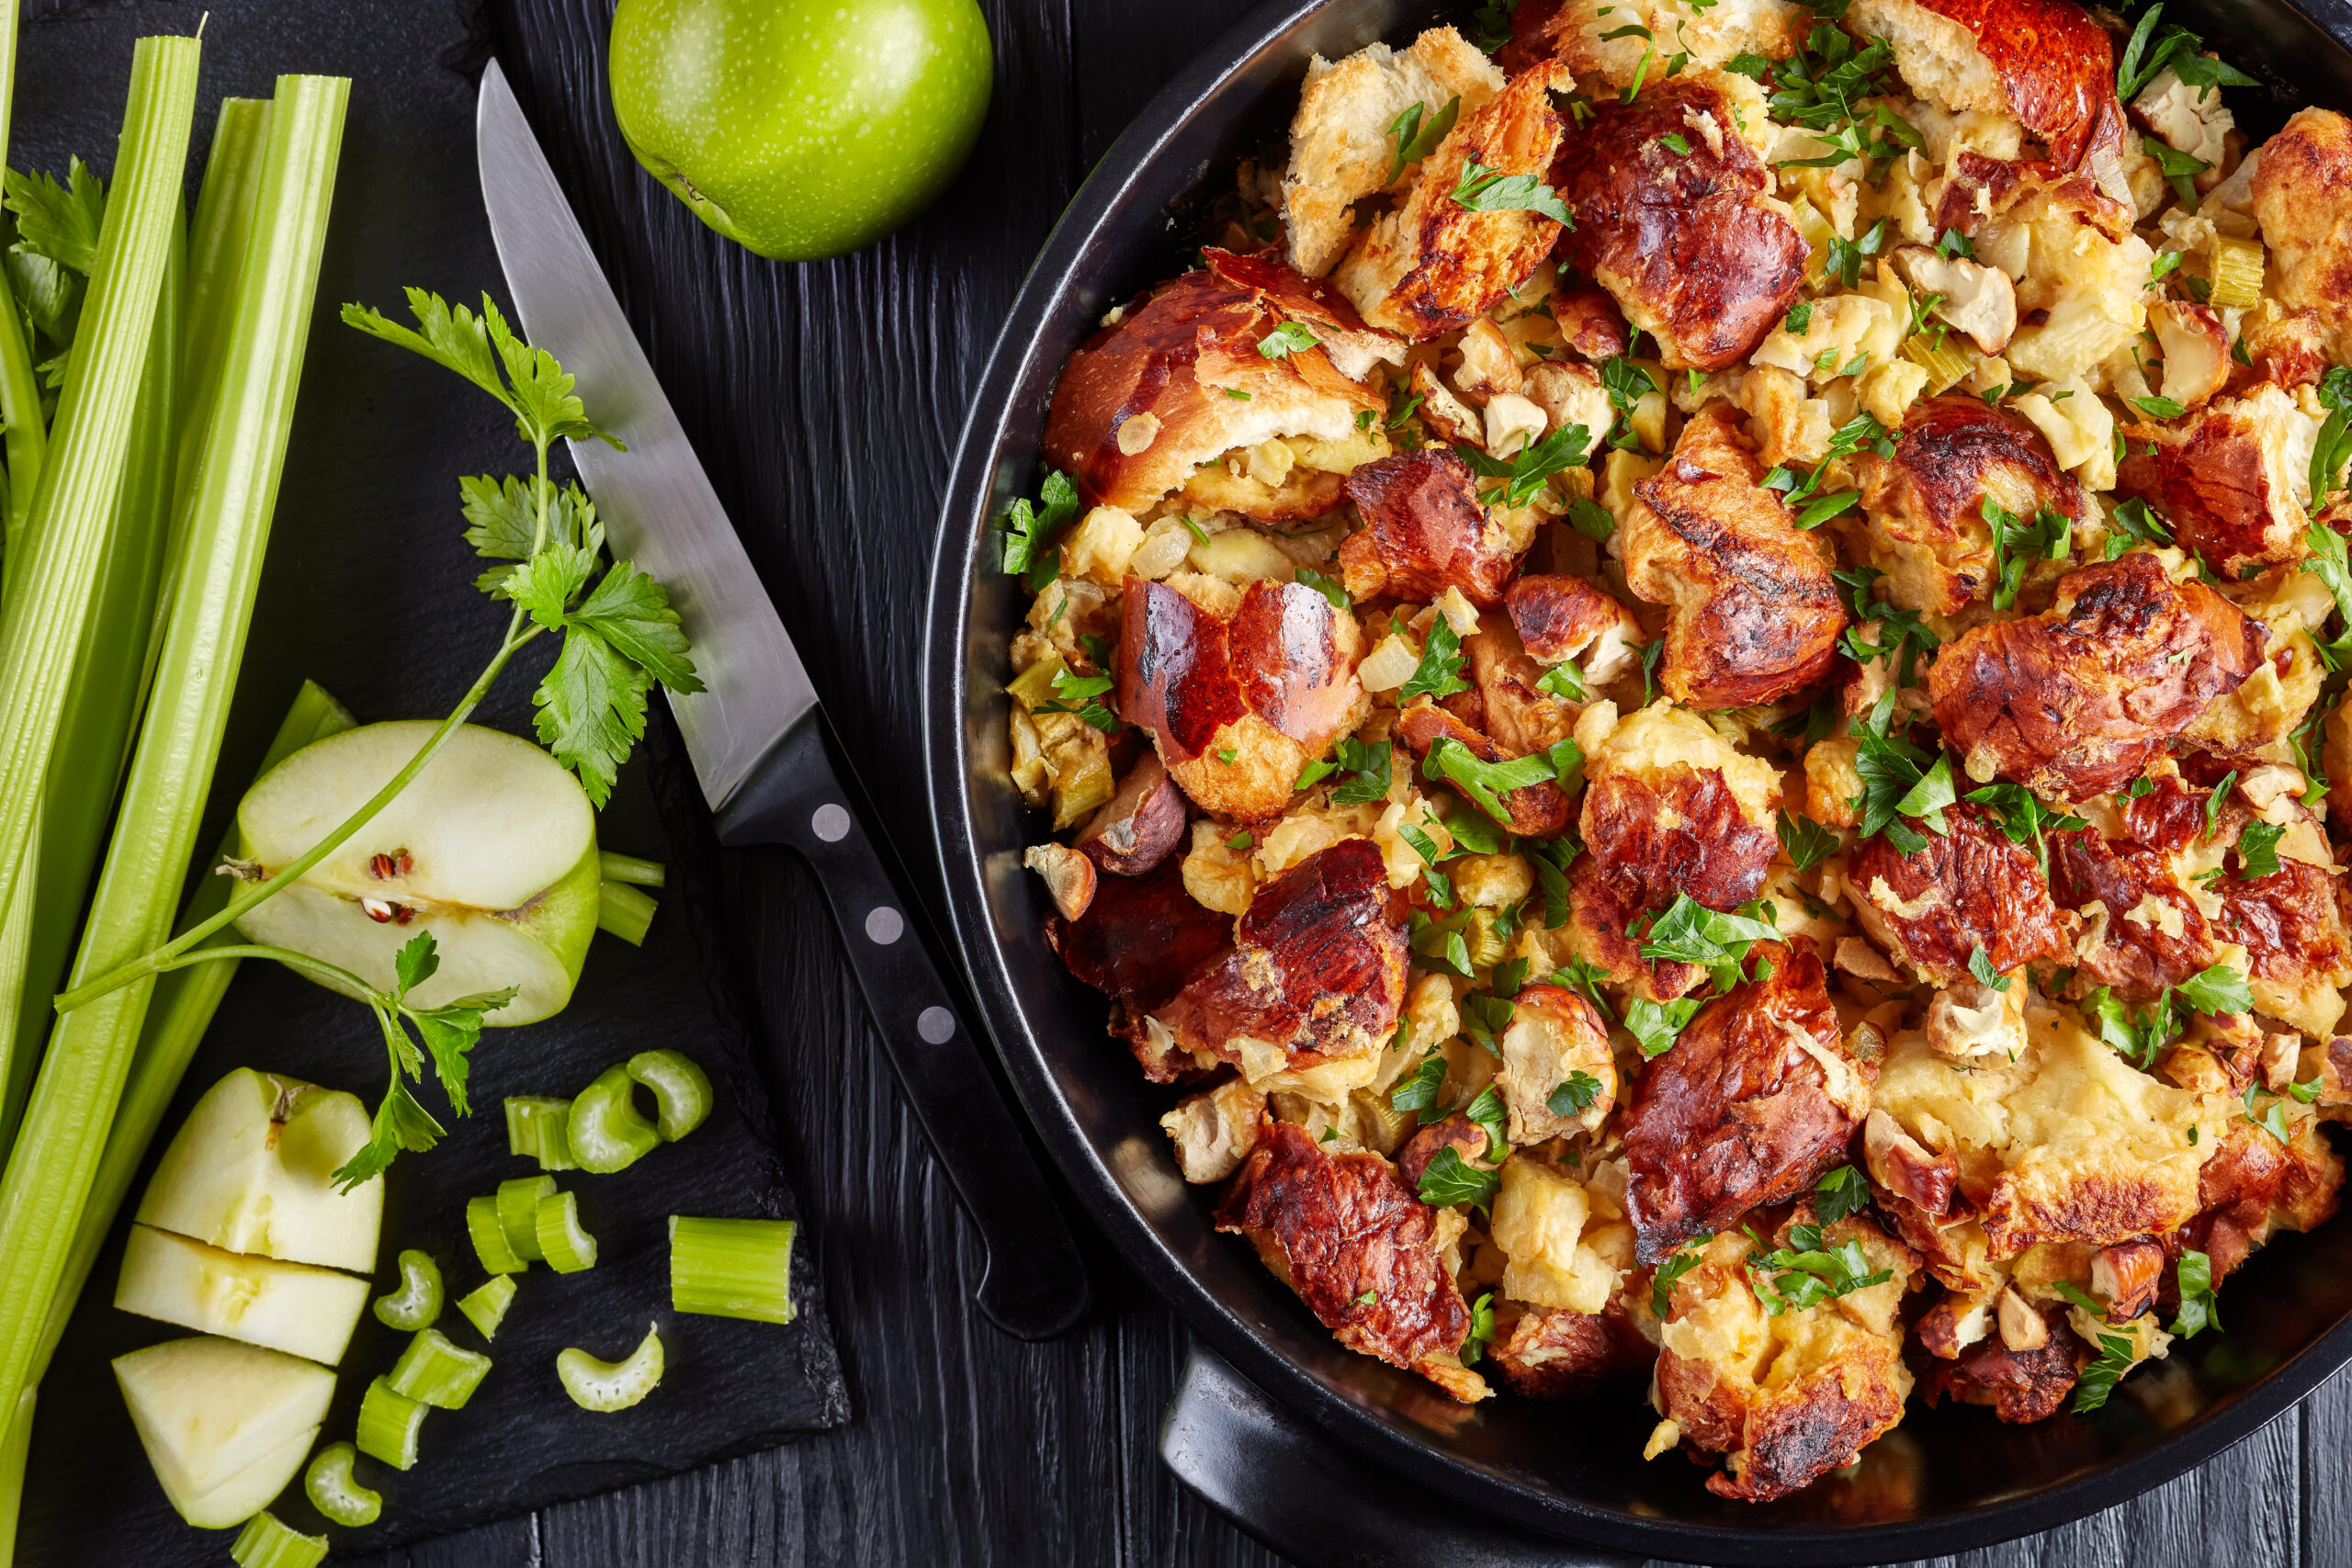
(766, 757)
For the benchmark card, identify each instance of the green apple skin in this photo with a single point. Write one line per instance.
(252, 1170)
(292, 1307)
(801, 129)
(225, 1426)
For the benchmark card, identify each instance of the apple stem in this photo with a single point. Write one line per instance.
(520, 632)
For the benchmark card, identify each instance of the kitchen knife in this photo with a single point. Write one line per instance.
(767, 759)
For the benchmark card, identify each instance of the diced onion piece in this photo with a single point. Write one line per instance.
(607, 1131)
(732, 1267)
(490, 1238)
(680, 1089)
(567, 1248)
(518, 1212)
(1946, 362)
(387, 1425)
(336, 1493)
(486, 1308)
(612, 1385)
(536, 1129)
(625, 911)
(434, 1371)
(2237, 272)
(418, 1301)
(265, 1542)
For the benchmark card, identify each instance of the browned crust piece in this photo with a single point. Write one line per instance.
(2054, 63)
(1141, 937)
(1176, 359)
(1971, 887)
(1649, 841)
(2078, 701)
(2302, 195)
(1741, 1110)
(1434, 266)
(1316, 971)
(1424, 531)
(2207, 478)
(1685, 241)
(1355, 1243)
(1552, 1353)
(1755, 611)
(1538, 811)
(2018, 1385)
(2136, 959)
(1951, 454)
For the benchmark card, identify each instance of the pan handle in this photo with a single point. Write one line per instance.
(1275, 1477)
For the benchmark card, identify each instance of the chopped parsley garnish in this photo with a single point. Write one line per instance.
(2273, 1120)
(1686, 932)
(1686, 1257)
(1591, 519)
(2098, 1380)
(1574, 1096)
(1487, 782)
(1032, 534)
(1484, 1018)
(1439, 674)
(1482, 1330)
(1675, 143)
(1368, 764)
(1416, 133)
(2215, 801)
(1288, 339)
(1980, 963)
(1525, 473)
(1805, 842)
(1551, 859)
(2158, 408)
(1079, 695)
(1839, 1193)
(2020, 815)
(1417, 1090)
(1955, 243)
(2258, 849)
(1846, 256)
(1329, 587)
(2200, 1308)
(1449, 1179)
(1563, 681)
(2016, 542)
(1800, 319)
(1805, 1273)
(1485, 1111)
(1655, 1025)
(2180, 168)
(1482, 190)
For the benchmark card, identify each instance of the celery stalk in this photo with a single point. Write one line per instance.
(336, 1493)
(66, 534)
(53, 1168)
(26, 437)
(624, 911)
(562, 1240)
(632, 869)
(732, 1267)
(181, 1010)
(518, 1212)
(389, 1424)
(536, 1128)
(101, 712)
(681, 1090)
(266, 1541)
(216, 254)
(434, 1371)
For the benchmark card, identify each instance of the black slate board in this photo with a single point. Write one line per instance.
(368, 590)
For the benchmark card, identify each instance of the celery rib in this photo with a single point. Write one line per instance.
(418, 1301)
(437, 1373)
(732, 1267)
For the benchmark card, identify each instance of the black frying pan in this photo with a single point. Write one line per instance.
(1944, 1481)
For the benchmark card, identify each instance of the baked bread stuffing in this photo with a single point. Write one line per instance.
(1684, 694)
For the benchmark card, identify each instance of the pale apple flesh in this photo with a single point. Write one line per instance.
(252, 1170)
(491, 849)
(294, 1307)
(225, 1426)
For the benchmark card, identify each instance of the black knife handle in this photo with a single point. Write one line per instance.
(804, 794)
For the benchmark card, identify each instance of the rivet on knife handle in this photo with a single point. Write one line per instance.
(803, 794)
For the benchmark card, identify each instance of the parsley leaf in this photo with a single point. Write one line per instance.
(2200, 1307)
(1574, 1096)
(2098, 1380)
(2258, 849)
(1526, 471)
(2022, 818)
(620, 640)
(1805, 1273)
(1686, 932)
(449, 1031)
(1417, 1090)
(1839, 1193)
(1805, 842)
(1686, 1257)
(1369, 764)
(2214, 800)
(2136, 1039)
(1449, 1179)
(2158, 408)
(1486, 1110)
(1482, 190)
(1329, 587)
(1033, 533)
(1551, 859)
(1289, 338)
(1481, 1331)
(1482, 782)
(2274, 1120)
(60, 222)
(533, 387)
(2218, 989)
(1655, 1025)
(2181, 169)
(1980, 963)
(1955, 243)
(1416, 133)
(1438, 673)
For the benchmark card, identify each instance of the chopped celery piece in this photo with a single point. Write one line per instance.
(2237, 272)
(485, 1308)
(732, 1267)
(518, 1210)
(434, 1371)
(490, 1238)
(418, 1301)
(266, 1543)
(612, 1385)
(680, 1089)
(389, 1423)
(1946, 362)
(567, 1246)
(536, 1129)
(336, 1493)
(607, 1130)
(628, 868)
(625, 911)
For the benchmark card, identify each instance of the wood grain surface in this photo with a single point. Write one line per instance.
(826, 400)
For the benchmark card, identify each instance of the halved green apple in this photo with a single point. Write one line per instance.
(292, 1307)
(225, 1426)
(252, 1170)
(491, 848)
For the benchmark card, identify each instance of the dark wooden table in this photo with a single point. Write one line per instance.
(826, 400)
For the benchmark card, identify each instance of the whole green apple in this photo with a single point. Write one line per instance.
(802, 128)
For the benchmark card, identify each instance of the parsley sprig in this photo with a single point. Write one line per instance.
(1484, 189)
(1526, 471)
(2017, 543)
(1033, 533)
(448, 1031)
(1807, 1272)
(2097, 1380)
(1416, 132)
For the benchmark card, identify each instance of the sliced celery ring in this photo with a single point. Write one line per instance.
(336, 1493)
(536, 1129)
(681, 1089)
(434, 1371)
(485, 1307)
(607, 1131)
(732, 1267)
(418, 1301)
(518, 1207)
(389, 1424)
(490, 1238)
(266, 1543)
(561, 1239)
(612, 1385)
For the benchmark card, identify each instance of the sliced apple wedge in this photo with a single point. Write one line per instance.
(211, 1413)
(292, 1307)
(491, 848)
(252, 1170)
